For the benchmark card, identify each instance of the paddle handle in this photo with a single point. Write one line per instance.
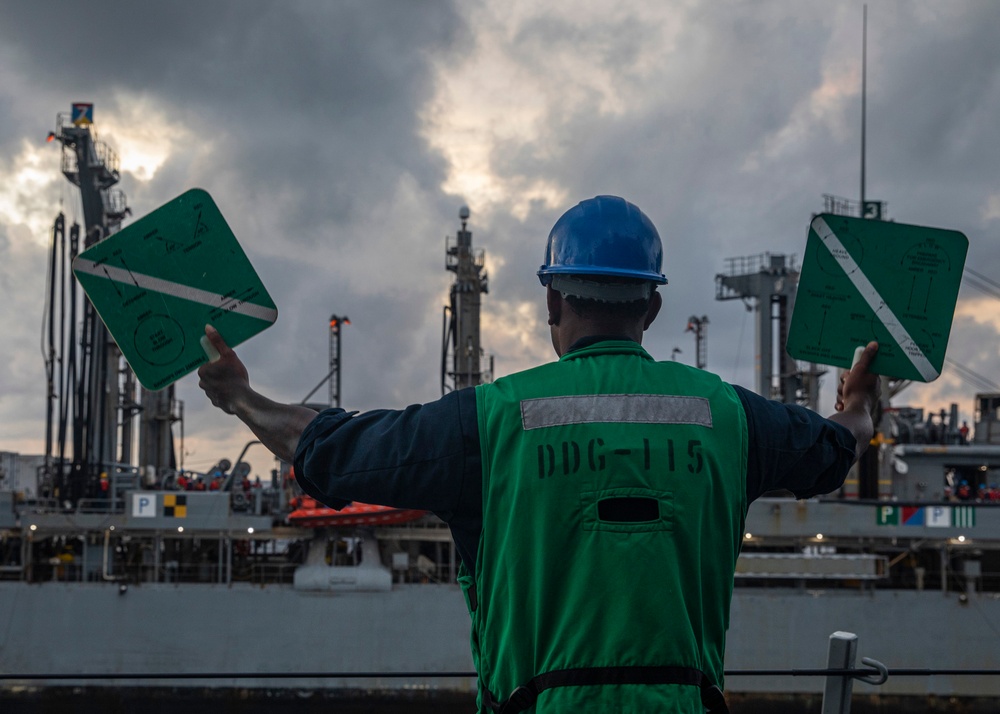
(858, 351)
(214, 356)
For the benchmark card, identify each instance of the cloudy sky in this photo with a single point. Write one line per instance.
(340, 139)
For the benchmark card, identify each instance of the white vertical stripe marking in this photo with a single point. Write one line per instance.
(910, 348)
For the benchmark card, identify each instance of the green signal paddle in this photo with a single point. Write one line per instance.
(865, 280)
(158, 282)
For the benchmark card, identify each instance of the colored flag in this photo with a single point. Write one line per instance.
(913, 516)
(887, 515)
(963, 516)
(939, 516)
(83, 114)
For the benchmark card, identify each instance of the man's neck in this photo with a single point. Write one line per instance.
(594, 339)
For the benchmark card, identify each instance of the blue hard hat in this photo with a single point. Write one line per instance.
(605, 235)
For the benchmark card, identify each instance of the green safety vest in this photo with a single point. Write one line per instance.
(614, 499)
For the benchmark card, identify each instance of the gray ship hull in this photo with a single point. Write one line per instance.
(77, 628)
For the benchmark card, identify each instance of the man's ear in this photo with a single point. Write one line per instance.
(655, 303)
(554, 303)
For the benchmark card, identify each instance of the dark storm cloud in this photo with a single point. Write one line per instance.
(723, 151)
(725, 121)
(934, 148)
(935, 96)
(678, 151)
(303, 119)
(937, 83)
(290, 90)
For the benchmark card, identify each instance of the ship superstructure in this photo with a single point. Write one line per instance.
(165, 571)
(97, 413)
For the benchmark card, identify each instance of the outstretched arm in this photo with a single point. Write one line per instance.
(227, 384)
(857, 396)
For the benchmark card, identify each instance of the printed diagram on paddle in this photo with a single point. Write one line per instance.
(865, 280)
(159, 339)
(157, 283)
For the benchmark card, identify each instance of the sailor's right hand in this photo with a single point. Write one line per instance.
(224, 380)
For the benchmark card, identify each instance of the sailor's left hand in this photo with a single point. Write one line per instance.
(859, 388)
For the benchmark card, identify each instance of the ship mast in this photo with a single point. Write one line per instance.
(461, 340)
(97, 389)
(864, 97)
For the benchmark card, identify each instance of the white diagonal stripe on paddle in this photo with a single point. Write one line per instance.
(158, 285)
(882, 310)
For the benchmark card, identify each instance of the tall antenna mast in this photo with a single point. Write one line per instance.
(864, 94)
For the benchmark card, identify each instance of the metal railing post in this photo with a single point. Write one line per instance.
(837, 694)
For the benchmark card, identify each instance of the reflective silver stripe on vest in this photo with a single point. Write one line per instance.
(615, 408)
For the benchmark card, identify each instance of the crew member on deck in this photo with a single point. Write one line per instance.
(598, 501)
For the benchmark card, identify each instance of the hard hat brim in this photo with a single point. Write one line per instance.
(545, 273)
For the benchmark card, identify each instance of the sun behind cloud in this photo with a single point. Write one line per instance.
(143, 133)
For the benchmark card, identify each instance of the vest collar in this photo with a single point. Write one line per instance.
(602, 345)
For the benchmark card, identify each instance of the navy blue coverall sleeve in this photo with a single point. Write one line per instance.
(793, 448)
(428, 457)
(423, 457)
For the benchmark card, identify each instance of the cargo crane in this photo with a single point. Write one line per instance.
(91, 395)
(461, 349)
(766, 283)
